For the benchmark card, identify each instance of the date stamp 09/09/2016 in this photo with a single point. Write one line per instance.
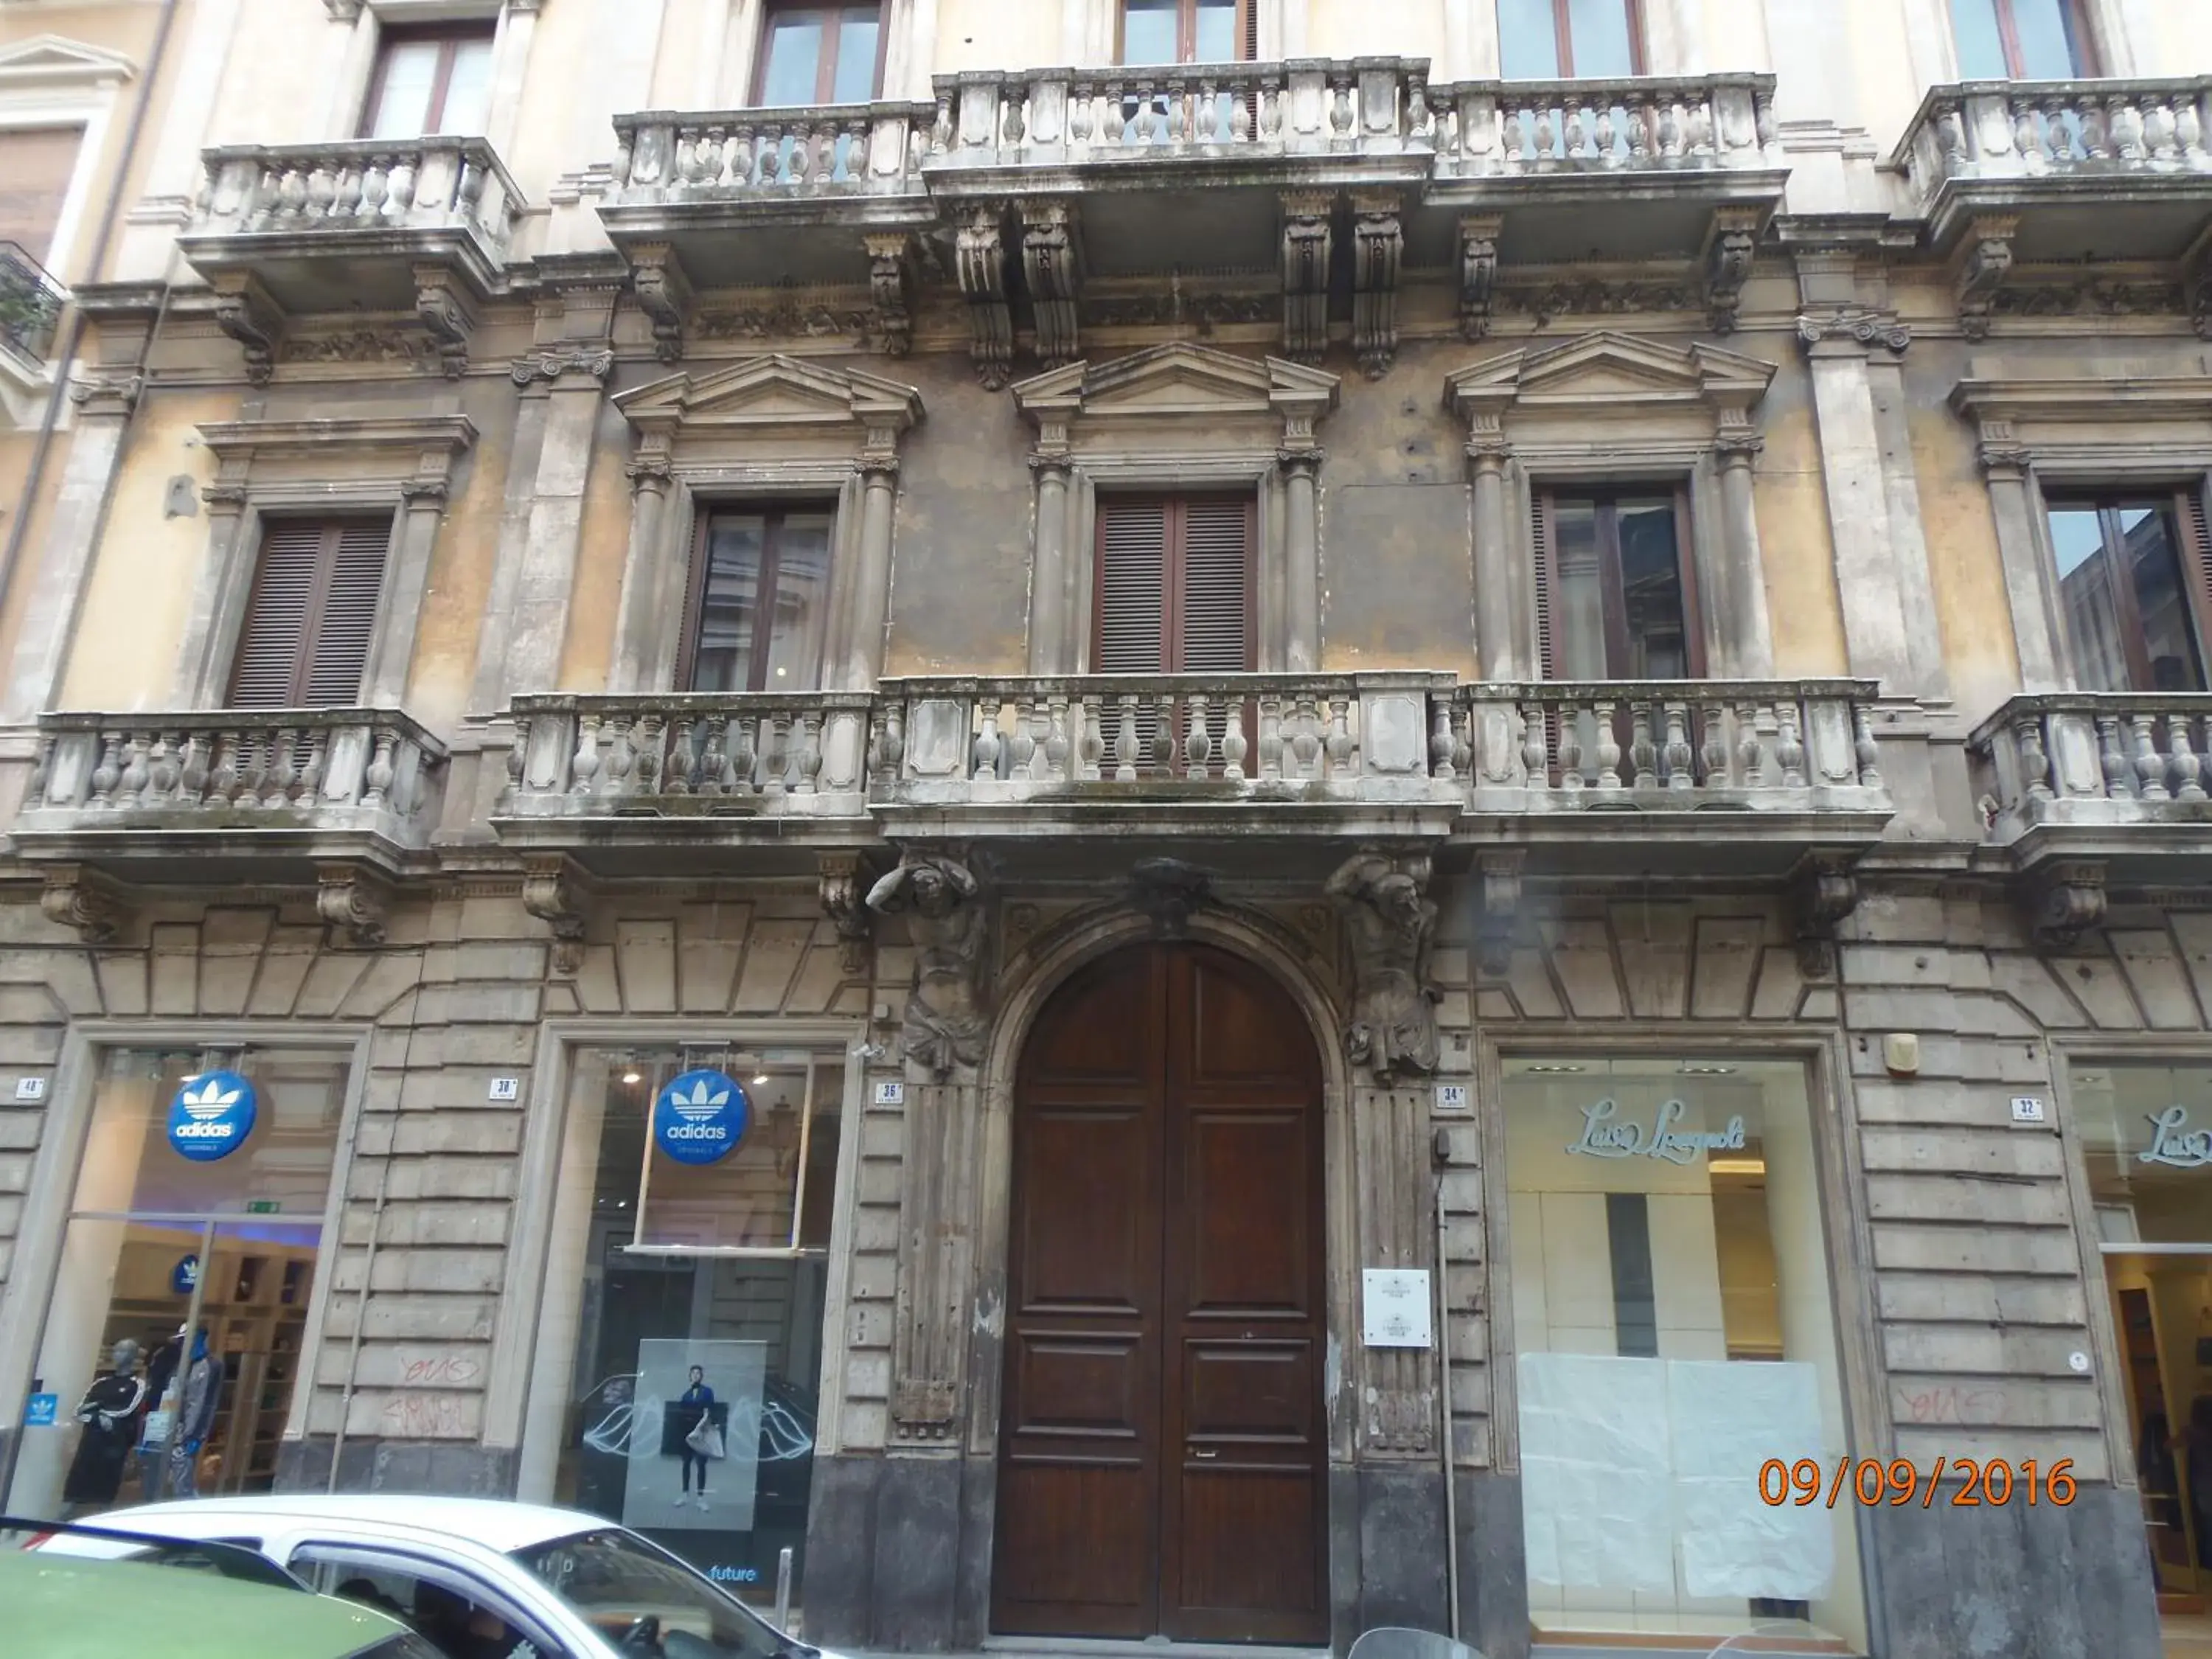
(1870, 1481)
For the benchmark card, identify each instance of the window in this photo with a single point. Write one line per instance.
(2022, 39)
(430, 81)
(820, 55)
(759, 601)
(36, 165)
(1559, 39)
(2132, 588)
(1614, 596)
(308, 623)
(1175, 585)
(459, 1617)
(1189, 31)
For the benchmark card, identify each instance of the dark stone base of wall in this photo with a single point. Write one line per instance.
(884, 1538)
(449, 1468)
(1493, 1565)
(2011, 1582)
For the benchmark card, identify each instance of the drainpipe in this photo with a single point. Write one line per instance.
(1444, 1410)
(359, 1320)
(73, 334)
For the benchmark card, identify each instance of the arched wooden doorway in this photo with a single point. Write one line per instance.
(1162, 1441)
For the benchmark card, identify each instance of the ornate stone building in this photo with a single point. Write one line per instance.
(1426, 785)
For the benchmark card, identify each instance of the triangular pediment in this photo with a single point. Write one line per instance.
(51, 60)
(1607, 369)
(1177, 379)
(772, 391)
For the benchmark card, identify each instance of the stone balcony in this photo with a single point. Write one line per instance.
(420, 226)
(2049, 167)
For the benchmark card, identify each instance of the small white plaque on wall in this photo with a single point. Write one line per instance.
(1394, 1305)
(891, 1091)
(1452, 1098)
(30, 1088)
(506, 1088)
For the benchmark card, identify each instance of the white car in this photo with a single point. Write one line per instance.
(480, 1579)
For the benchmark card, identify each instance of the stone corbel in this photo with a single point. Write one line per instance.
(1825, 891)
(947, 914)
(86, 903)
(1731, 242)
(1306, 242)
(1378, 246)
(1984, 263)
(353, 903)
(1390, 924)
(2063, 901)
(1498, 912)
(555, 890)
(1477, 271)
(664, 294)
(446, 312)
(243, 311)
(1859, 324)
(979, 259)
(594, 362)
(107, 393)
(2197, 284)
(1168, 891)
(844, 880)
(1052, 263)
(891, 288)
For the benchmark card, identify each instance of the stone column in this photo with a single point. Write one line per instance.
(647, 610)
(1497, 623)
(406, 583)
(1751, 636)
(872, 584)
(226, 577)
(2036, 629)
(57, 587)
(510, 63)
(1908, 536)
(1048, 572)
(1301, 559)
(174, 174)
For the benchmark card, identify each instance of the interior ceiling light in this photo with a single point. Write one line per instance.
(1708, 1071)
(632, 1077)
(760, 1080)
(1736, 1166)
(1550, 1069)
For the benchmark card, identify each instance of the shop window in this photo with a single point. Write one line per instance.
(2146, 1134)
(154, 1231)
(430, 81)
(812, 54)
(2022, 39)
(691, 1328)
(1615, 599)
(1187, 31)
(36, 165)
(758, 600)
(1565, 40)
(1675, 1330)
(2133, 588)
(305, 641)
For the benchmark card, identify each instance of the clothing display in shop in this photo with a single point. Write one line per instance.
(199, 1397)
(161, 1412)
(110, 1412)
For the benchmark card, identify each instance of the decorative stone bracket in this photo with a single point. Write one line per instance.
(1819, 324)
(664, 294)
(444, 307)
(1825, 891)
(1052, 264)
(845, 878)
(2062, 901)
(354, 903)
(980, 261)
(1378, 243)
(1477, 271)
(1307, 238)
(1169, 890)
(2197, 284)
(1731, 242)
(556, 891)
(88, 903)
(1984, 261)
(947, 1019)
(891, 288)
(245, 311)
(1391, 923)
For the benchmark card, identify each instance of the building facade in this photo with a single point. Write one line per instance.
(1289, 815)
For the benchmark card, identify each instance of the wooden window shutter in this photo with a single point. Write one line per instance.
(2194, 522)
(1132, 625)
(1546, 585)
(1247, 33)
(312, 614)
(1213, 632)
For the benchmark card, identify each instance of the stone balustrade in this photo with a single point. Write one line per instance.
(433, 184)
(1493, 128)
(2005, 130)
(2093, 758)
(688, 754)
(1673, 746)
(337, 770)
(840, 150)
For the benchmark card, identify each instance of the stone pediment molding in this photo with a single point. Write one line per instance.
(398, 453)
(1179, 383)
(2127, 422)
(775, 396)
(54, 61)
(1609, 373)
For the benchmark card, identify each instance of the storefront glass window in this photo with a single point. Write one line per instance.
(149, 1224)
(1675, 1330)
(2147, 1138)
(686, 1300)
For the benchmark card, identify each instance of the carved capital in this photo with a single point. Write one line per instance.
(591, 362)
(1301, 463)
(1731, 242)
(1378, 243)
(2063, 902)
(225, 497)
(649, 473)
(427, 493)
(1052, 264)
(84, 902)
(1737, 443)
(1498, 912)
(664, 294)
(1825, 892)
(2002, 454)
(243, 311)
(1306, 243)
(108, 393)
(1477, 271)
(1390, 924)
(890, 288)
(1051, 464)
(555, 890)
(1168, 891)
(979, 264)
(1858, 324)
(844, 879)
(1983, 266)
(444, 311)
(353, 903)
(942, 900)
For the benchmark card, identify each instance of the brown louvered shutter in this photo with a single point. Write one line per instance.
(2195, 522)
(1247, 33)
(1212, 630)
(1131, 600)
(1546, 584)
(305, 640)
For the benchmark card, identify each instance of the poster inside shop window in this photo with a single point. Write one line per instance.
(693, 1436)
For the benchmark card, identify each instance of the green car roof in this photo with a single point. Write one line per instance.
(61, 1606)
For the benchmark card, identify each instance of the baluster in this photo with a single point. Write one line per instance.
(1641, 120)
(1511, 135)
(1440, 742)
(2158, 129)
(621, 756)
(1763, 124)
(1271, 737)
(1012, 127)
(1198, 740)
(681, 764)
(810, 752)
(2189, 128)
(1022, 745)
(162, 769)
(1575, 138)
(253, 762)
(1535, 729)
(2027, 136)
(825, 153)
(2034, 758)
(2188, 769)
(1789, 748)
(1644, 754)
(2096, 142)
(890, 753)
(2113, 759)
(1608, 747)
(1240, 117)
(648, 739)
(1544, 140)
(1144, 111)
(1089, 713)
(1339, 112)
(1747, 745)
(1716, 749)
(399, 184)
(744, 749)
(135, 772)
(1056, 746)
(1679, 773)
(1115, 124)
(1079, 115)
(191, 775)
(311, 774)
(1209, 112)
(775, 742)
(584, 765)
(1462, 741)
(1163, 743)
(1570, 746)
(1305, 740)
(1606, 136)
(1340, 747)
(222, 776)
(2127, 129)
(1125, 740)
(741, 156)
(282, 772)
(985, 751)
(1417, 106)
(1234, 746)
(1865, 749)
(2150, 765)
(711, 767)
(1271, 113)
(109, 772)
(1669, 138)
(375, 188)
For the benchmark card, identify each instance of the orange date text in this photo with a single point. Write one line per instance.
(1869, 1481)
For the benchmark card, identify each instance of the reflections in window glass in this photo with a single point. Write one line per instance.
(800, 599)
(857, 32)
(1652, 593)
(1980, 44)
(1148, 32)
(1216, 32)
(1527, 40)
(2161, 600)
(1578, 605)
(1599, 31)
(2048, 49)
(794, 68)
(729, 606)
(403, 101)
(468, 89)
(2086, 597)
(2147, 1138)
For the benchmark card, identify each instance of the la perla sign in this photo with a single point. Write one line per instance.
(1604, 1134)
(2174, 1142)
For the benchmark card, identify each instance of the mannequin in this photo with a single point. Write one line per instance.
(110, 1412)
(153, 1447)
(199, 1395)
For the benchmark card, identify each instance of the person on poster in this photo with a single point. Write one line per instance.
(702, 1438)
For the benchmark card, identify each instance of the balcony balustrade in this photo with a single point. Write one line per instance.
(1540, 128)
(324, 782)
(30, 304)
(2095, 761)
(840, 150)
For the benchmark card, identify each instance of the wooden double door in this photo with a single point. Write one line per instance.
(1161, 1452)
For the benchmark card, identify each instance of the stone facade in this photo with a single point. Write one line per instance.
(1892, 836)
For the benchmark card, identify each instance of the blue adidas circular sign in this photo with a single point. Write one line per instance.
(700, 1117)
(211, 1115)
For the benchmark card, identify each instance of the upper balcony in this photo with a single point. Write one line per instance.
(420, 225)
(2121, 167)
(2118, 777)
